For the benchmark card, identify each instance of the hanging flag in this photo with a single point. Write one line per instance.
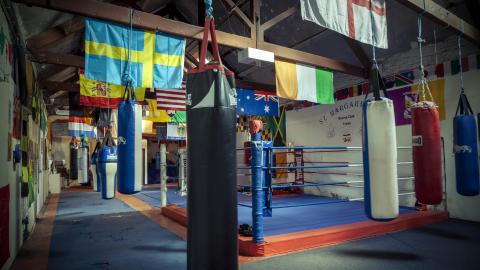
(389, 81)
(171, 99)
(452, 67)
(259, 103)
(81, 126)
(437, 88)
(351, 18)
(103, 95)
(404, 78)
(156, 115)
(302, 82)
(156, 59)
(341, 94)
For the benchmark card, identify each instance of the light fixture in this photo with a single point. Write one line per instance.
(252, 55)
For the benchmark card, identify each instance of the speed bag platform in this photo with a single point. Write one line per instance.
(465, 148)
(380, 160)
(129, 147)
(427, 153)
(107, 164)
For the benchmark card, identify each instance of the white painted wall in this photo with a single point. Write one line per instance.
(459, 206)
(317, 126)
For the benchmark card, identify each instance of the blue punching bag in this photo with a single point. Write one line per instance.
(129, 144)
(107, 166)
(466, 149)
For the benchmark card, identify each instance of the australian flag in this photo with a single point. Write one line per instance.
(259, 103)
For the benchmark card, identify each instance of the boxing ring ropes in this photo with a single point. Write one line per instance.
(262, 186)
(261, 171)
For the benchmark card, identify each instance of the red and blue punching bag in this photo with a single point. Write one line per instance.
(465, 148)
(427, 152)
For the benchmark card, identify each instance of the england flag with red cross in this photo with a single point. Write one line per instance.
(352, 18)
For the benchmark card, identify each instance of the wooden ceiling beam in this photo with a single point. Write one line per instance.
(58, 59)
(444, 17)
(56, 35)
(144, 20)
(235, 9)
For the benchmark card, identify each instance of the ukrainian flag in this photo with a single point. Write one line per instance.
(156, 58)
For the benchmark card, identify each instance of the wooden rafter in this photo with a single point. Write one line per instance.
(444, 17)
(56, 35)
(118, 14)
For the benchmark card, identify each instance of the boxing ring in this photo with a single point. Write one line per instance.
(291, 203)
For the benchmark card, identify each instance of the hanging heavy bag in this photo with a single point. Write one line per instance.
(379, 153)
(107, 163)
(466, 149)
(129, 144)
(83, 162)
(73, 159)
(97, 184)
(426, 148)
(212, 196)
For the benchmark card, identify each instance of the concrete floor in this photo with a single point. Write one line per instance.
(91, 233)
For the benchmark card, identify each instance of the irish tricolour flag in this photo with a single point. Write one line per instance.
(303, 82)
(80, 126)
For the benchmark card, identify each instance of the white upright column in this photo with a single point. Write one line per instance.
(182, 172)
(163, 174)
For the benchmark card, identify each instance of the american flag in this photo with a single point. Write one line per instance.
(171, 99)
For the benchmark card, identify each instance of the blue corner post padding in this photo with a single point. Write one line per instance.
(126, 146)
(258, 196)
(267, 179)
(466, 155)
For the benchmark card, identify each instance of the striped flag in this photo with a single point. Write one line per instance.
(171, 99)
(80, 126)
(303, 82)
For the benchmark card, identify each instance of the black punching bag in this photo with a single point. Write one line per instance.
(73, 159)
(212, 196)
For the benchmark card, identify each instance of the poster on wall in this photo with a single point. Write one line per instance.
(59, 129)
(176, 132)
(342, 122)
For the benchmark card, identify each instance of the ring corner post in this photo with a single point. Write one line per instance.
(258, 195)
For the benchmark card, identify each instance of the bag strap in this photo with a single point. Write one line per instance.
(108, 139)
(209, 27)
(463, 107)
(129, 92)
(376, 84)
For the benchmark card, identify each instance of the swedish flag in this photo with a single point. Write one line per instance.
(156, 59)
